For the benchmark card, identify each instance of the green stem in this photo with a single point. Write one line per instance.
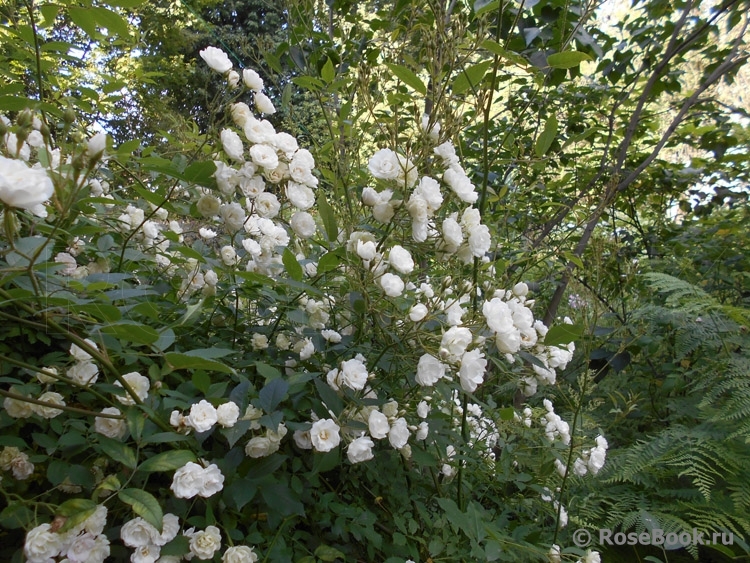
(25, 399)
(37, 56)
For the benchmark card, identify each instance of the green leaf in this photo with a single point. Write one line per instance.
(329, 261)
(567, 59)
(328, 553)
(328, 216)
(484, 6)
(407, 77)
(178, 547)
(14, 103)
(179, 360)
(75, 511)
(292, 266)
(118, 451)
(328, 73)
(308, 83)
(84, 18)
(167, 461)
(202, 381)
(470, 77)
(16, 515)
(114, 23)
(547, 136)
(131, 331)
(507, 413)
(200, 173)
(144, 505)
(272, 394)
(269, 372)
(563, 334)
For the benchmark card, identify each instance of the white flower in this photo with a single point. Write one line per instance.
(205, 543)
(202, 416)
(16, 408)
(170, 525)
(303, 224)
(110, 427)
(499, 316)
(208, 205)
(452, 234)
(264, 104)
(252, 80)
(216, 59)
(390, 409)
(554, 554)
(423, 409)
(455, 341)
(301, 166)
(88, 548)
(232, 144)
(260, 131)
(429, 189)
(418, 312)
(260, 446)
(324, 435)
(239, 554)
(192, 479)
(398, 435)
(51, 398)
(472, 370)
(367, 250)
(146, 554)
(96, 145)
(300, 196)
(592, 557)
(233, 79)
(267, 205)
(228, 255)
(378, 425)
(41, 545)
(138, 383)
(353, 374)
(24, 187)
(207, 234)
(302, 439)
(138, 532)
(286, 144)
(233, 216)
(227, 414)
(400, 260)
(384, 165)
(21, 467)
(84, 373)
(457, 180)
(429, 370)
(392, 285)
(241, 112)
(264, 156)
(479, 240)
(69, 261)
(422, 431)
(360, 450)
(331, 336)
(79, 354)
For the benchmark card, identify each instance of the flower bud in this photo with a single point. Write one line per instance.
(25, 119)
(69, 116)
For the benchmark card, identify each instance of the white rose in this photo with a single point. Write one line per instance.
(285, 143)
(324, 435)
(21, 467)
(398, 434)
(233, 216)
(207, 234)
(331, 336)
(260, 131)
(216, 59)
(360, 450)
(240, 113)
(366, 249)
(422, 431)
(509, 342)
(228, 255)
(392, 285)
(384, 165)
(457, 180)
(479, 240)
(354, 374)
(51, 398)
(138, 383)
(145, 554)
(429, 189)
(212, 481)
(302, 439)
(228, 413)
(300, 196)
(137, 532)
(88, 548)
(303, 224)
(208, 205)
(378, 425)
(252, 80)
(233, 79)
(472, 370)
(23, 187)
(260, 446)
(202, 416)
(239, 554)
(96, 145)
(430, 370)
(499, 316)
(452, 233)
(205, 543)
(187, 480)
(16, 408)
(400, 259)
(79, 354)
(423, 409)
(114, 428)
(84, 373)
(455, 341)
(267, 205)
(232, 144)
(301, 166)
(41, 545)
(264, 156)
(264, 104)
